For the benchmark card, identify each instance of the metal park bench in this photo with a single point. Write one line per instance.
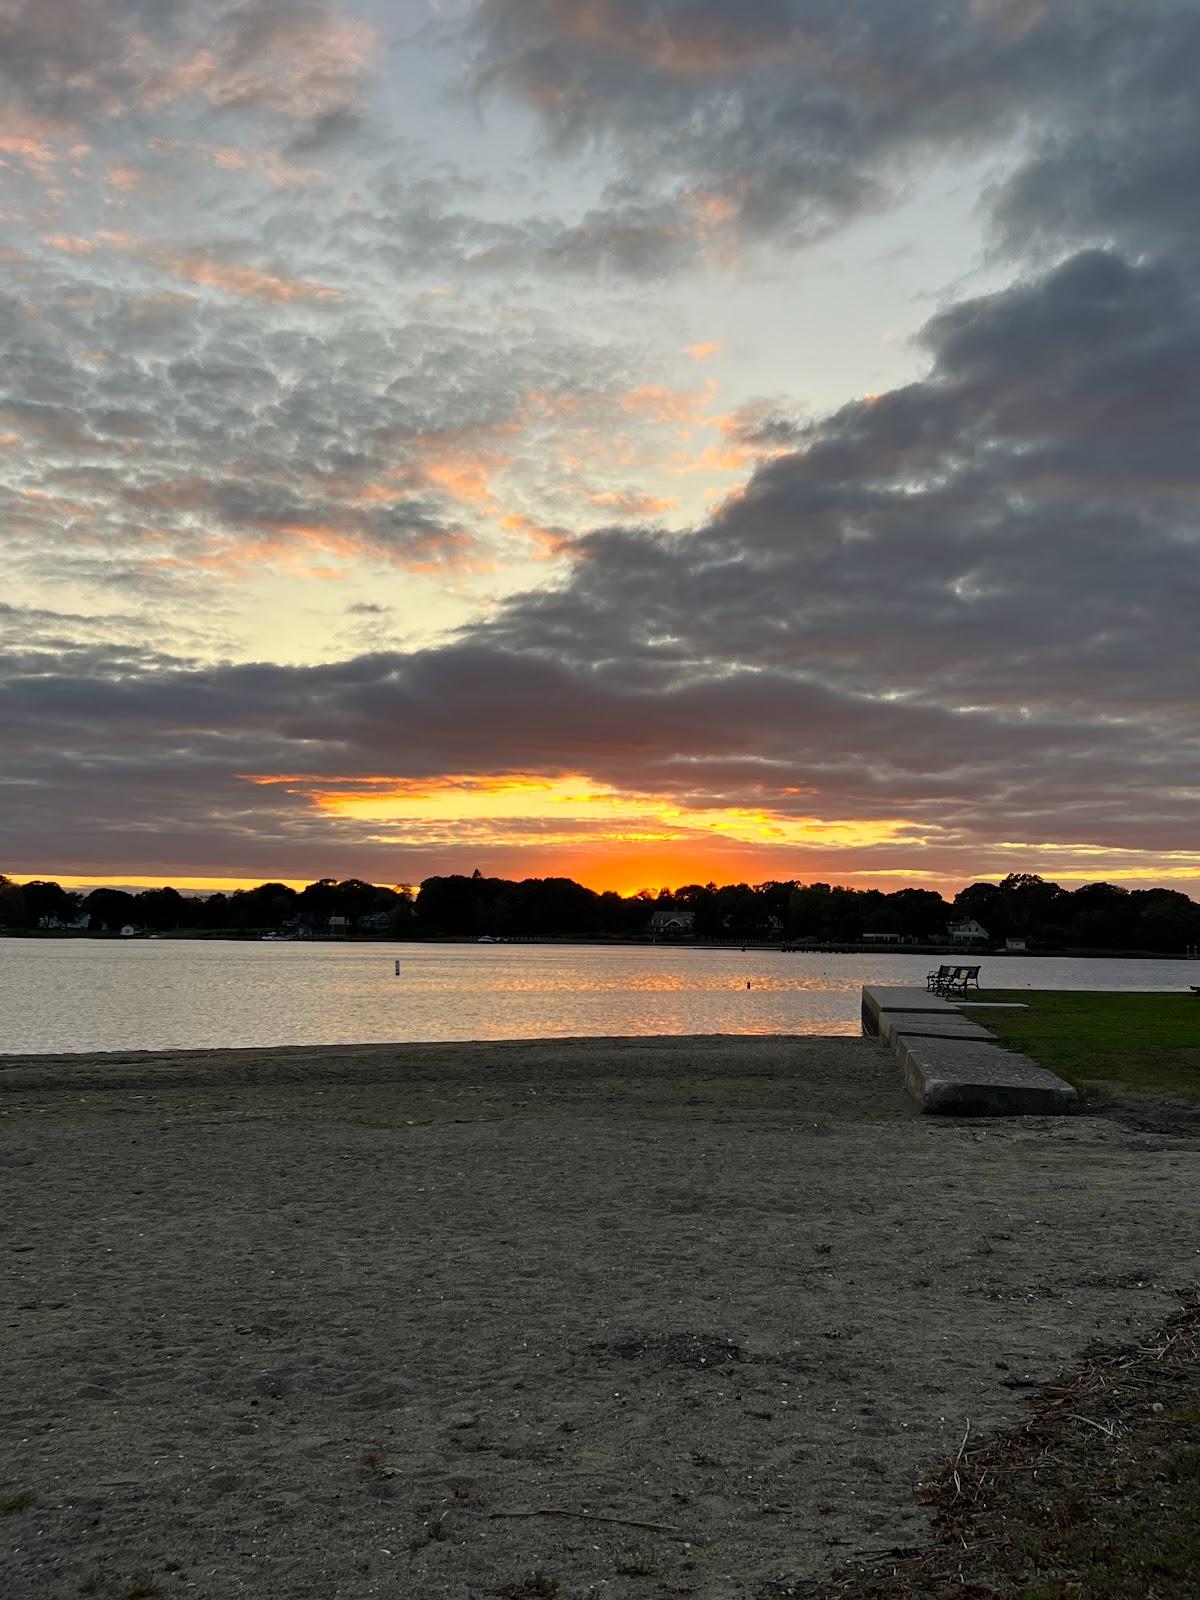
(954, 980)
(935, 980)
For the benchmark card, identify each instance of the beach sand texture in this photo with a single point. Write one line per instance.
(332, 1322)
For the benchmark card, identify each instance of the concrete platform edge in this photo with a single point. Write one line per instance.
(951, 1071)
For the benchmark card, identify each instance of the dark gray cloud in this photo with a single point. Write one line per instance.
(1043, 469)
(785, 117)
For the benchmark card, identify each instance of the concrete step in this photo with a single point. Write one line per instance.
(967, 1078)
(877, 998)
(952, 1065)
(894, 1025)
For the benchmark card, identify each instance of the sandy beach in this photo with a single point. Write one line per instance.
(630, 1317)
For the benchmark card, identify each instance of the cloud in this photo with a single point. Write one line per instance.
(200, 267)
(781, 119)
(958, 615)
(82, 60)
(944, 629)
(189, 441)
(70, 244)
(629, 503)
(1118, 169)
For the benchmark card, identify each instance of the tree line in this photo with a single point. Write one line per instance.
(1097, 916)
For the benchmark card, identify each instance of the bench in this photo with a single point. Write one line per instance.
(935, 980)
(957, 980)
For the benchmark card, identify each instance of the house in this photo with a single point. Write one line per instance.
(1014, 944)
(672, 922)
(968, 931)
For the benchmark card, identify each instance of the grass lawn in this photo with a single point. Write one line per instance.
(1148, 1043)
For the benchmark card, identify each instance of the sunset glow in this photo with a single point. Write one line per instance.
(570, 812)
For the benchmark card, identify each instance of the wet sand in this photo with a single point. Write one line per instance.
(636, 1317)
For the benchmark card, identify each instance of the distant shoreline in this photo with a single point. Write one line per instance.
(231, 936)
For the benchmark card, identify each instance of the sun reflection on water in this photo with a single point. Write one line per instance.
(181, 994)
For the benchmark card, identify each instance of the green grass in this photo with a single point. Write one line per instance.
(1147, 1043)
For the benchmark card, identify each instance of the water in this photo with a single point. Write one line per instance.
(70, 995)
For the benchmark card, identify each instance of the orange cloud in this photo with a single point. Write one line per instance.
(305, 66)
(661, 404)
(551, 541)
(739, 450)
(709, 209)
(269, 164)
(248, 282)
(459, 462)
(126, 177)
(33, 152)
(568, 810)
(163, 82)
(200, 267)
(704, 351)
(463, 477)
(228, 157)
(629, 503)
(69, 244)
(309, 70)
(36, 142)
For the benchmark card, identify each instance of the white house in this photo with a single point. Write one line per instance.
(968, 931)
(672, 922)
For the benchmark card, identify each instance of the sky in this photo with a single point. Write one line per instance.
(643, 442)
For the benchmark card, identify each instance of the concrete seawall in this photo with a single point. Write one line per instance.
(954, 1067)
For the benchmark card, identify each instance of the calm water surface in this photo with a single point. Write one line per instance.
(179, 994)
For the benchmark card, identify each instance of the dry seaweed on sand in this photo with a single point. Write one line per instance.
(1096, 1496)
